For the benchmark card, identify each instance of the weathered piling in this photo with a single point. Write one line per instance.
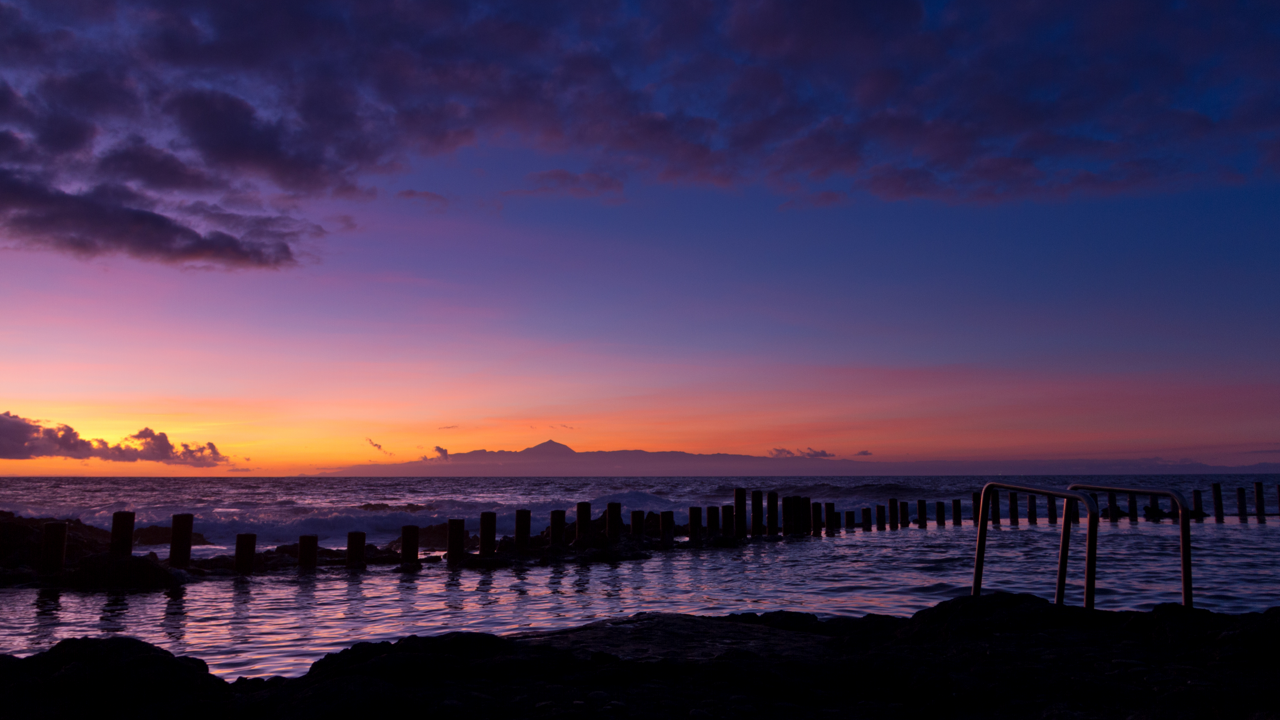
(1052, 504)
(1197, 505)
(921, 519)
(1155, 507)
(806, 520)
(557, 528)
(1218, 511)
(308, 550)
(850, 521)
(1072, 512)
(1013, 508)
(53, 547)
(667, 527)
(613, 521)
(489, 533)
(940, 514)
(409, 546)
(637, 523)
(893, 513)
(880, 518)
(1242, 507)
(582, 522)
(955, 513)
(757, 513)
(695, 525)
(728, 521)
(771, 520)
(1133, 507)
(832, 518)
(1031, 509)
(1259, 505)
(995, 508)
(355, 547)
(246, 548)
(122, 533)
(815, 524)
(180, 540)
(713, 521)
(457, 546)
(788, 518)
(905, 520)
(866, 520)
(1113, 507)
(524, 521)
(740, 512)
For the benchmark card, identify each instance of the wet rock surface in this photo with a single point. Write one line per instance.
(998, 656)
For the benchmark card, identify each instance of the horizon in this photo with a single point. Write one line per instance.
(236, 241)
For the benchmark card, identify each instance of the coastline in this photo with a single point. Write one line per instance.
(999, 655)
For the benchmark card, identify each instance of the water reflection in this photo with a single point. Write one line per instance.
(241, 594)
(453, 593)
(175, 615)
(48, 616)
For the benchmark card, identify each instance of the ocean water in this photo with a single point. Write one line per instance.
(278, 624)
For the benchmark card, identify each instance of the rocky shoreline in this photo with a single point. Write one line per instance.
(997, 656)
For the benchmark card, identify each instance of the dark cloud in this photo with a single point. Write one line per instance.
(965, 101)
(379, 447)
(862, 453)
(806, 453)
(442, 453)
(23, 439)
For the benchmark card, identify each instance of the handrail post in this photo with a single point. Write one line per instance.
(1091, 556)
(1064, 548)
(982, 543)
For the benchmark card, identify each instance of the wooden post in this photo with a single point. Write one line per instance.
(788, 520)
(880, 518)
(637, 523)
(489, 533)
(1013, 508)
(180, 540)
(613, 522)
(922, 519)
(1197, 505)
(740, 512)
(1259, 505)
(1113, 507)
(667, 526)
(1242, 507)
(1052, 504)
(905, 520)
(355, 549)
(308, 550)
(1218, 511)
(457, 548)
(728, 522)
(956, 520)
(832, 520)
(53, 547)
(713, 521)
(695, 526)
(995, 508)
(246, 548)
(866, 519)
(850, 521)
(805, 517)
(122, 533)
(582, 523)
(557, 528)
(1072, 512)
(1155, 507)
(815, 525)
(757, 513)
(1031, 509)
(1133, 507)
(409, 546)
(524, 523)
(771, 519)
(893, 513)
(940, 514)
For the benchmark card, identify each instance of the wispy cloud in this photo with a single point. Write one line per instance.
(378, 447)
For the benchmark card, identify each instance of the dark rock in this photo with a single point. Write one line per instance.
(161, 535)
(108, 572)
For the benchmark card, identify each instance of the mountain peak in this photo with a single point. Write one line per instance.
(550, 448)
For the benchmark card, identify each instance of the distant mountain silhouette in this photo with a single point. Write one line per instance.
(552, 459)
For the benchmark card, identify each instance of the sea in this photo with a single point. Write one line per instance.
(280, 623)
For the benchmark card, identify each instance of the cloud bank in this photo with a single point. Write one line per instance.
(186, 132)
(23, 439)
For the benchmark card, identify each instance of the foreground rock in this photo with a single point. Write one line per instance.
(999, 656)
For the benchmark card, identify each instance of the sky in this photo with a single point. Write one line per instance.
(281, 238)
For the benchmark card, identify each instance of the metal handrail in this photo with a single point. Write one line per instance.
(1184, 525)
(1091, 535)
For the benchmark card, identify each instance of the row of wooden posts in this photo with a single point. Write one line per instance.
(799, 516)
